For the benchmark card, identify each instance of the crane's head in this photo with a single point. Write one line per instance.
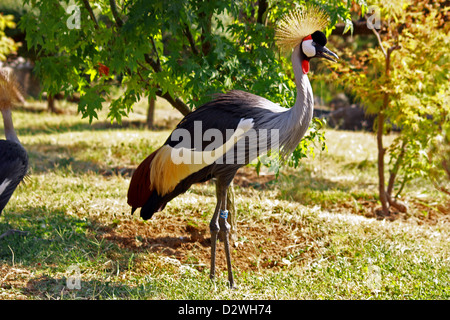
(300, 29)
(313, 46)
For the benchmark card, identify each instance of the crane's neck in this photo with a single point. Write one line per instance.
(304, 103)
(10, 133)
(298, 118)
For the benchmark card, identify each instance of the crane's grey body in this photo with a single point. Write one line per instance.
(225, 112)
(215, 119)
(13, 161)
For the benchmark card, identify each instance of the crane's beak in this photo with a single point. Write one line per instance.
(323, 52)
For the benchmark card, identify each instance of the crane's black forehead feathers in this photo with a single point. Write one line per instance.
(319, 38)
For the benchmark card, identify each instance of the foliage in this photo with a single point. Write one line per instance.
(183, 51)
(405, 85)
(439, 158)
(213, 47)
(7, 45)
(315, 135)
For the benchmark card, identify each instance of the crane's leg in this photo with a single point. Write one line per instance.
(214, 229)
(219, 224)
(225, 230)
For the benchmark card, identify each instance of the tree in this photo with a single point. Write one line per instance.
(404, 81)
(7, 45)
(183, 51)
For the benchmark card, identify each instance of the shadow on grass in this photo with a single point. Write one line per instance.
(82, 126)
(47, 158)
(33, 264)
(53, 288)
(46, 287)
(309, 188)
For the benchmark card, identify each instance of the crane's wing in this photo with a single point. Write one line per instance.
(200, 139)
(13, 168)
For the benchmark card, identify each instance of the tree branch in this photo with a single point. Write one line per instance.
(154, 64)
(394, 171)
(262, 8)
(385, 197)
(91, 13)
(206, 31)
(115, 13)
(176, 102)
(359, 28)
(190, 38)
(379, 42)
(158, 61)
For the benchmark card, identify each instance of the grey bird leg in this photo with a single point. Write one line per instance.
(219, 224)
(214, 229)
(225, 230)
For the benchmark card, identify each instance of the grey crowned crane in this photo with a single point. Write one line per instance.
(13, 157)
(221, 136)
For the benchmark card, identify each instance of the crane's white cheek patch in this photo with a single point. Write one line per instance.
(308, 49)
(4, 185)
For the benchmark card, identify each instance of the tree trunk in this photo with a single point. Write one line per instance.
(385, 198)
(381, 152)
(151, 113)
(51, 104)
(262, 8)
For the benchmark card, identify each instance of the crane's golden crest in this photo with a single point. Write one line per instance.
(298, 24)
(10, 90)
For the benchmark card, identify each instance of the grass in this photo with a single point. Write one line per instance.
(311, 234)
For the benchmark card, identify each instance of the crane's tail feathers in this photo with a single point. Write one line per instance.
(141, 194)
(140, 190)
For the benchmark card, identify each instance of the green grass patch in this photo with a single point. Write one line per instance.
(307, 235)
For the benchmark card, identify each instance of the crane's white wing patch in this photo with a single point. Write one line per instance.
(245, 124)
(4, 185)
(171, 165)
